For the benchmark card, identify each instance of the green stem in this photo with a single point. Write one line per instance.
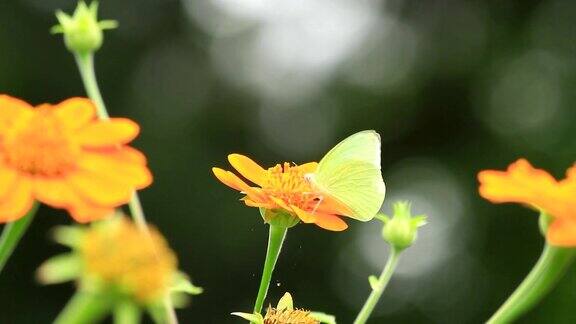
(377, 291)
(85, 62)
(84, 308)
(551, 266)
(126, 312)
(137, 212)
(12, 234)
(275, 240)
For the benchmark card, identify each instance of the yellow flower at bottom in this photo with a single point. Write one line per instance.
(117, 261)
(524, 184)
(63, 156)
(285, 313)
(121, 256)
(288, 316)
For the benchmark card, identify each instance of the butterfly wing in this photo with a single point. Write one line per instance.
(350, 173)
(362, 146)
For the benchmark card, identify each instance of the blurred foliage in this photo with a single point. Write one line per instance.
(453, 87)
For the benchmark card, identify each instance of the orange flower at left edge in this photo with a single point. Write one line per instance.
(284, 187)
(63, 156)
(524, 184)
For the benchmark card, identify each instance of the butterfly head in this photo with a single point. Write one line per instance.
(309, 177)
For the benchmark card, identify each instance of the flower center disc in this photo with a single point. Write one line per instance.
(289, 184)
(40, 145)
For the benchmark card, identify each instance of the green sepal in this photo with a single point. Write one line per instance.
(127, 312)
(279, 217)
(70, 236)
(82, 30)
(401, 230)
(544, 222)
(59, 269)
(158, 313)
(85, 307)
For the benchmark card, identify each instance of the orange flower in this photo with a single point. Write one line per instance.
(63, 156)
(524, 184)
(284, 186)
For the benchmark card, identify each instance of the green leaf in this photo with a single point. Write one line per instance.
(373, 280)
(108, 24)
(182, 284)
(254, 318)
(324, 318)
(285, 302)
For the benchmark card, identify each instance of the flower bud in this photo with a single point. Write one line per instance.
(401, 230)
(82, 31)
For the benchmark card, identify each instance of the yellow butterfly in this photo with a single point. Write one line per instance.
(350, 173)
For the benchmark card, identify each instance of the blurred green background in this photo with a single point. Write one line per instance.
(453, 87)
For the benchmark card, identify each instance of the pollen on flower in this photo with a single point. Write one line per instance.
(288, 182)
(288, 316)
(49, 149)
(120, 255)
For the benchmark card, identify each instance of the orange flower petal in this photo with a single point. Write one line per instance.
(130, 154)
(309, 167)
(304, 216)
(230, 179)
(233, 181)
(281, 203)
(100, 190)
(514, 185)
(248, 168)
(571, 175)
(75, 112)
(524, 184)
(251, 203)
(562, 232)
(123, 153)
(17, 202)
(132, 174)
(7, 177)
(59, 194)
(53, 192)
(12, 109)
(331, 205)
(114, 131)
(83, 213)
(330, 222)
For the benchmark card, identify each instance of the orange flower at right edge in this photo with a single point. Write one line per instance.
(284, 187)
(524, 184)
(63, 156)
